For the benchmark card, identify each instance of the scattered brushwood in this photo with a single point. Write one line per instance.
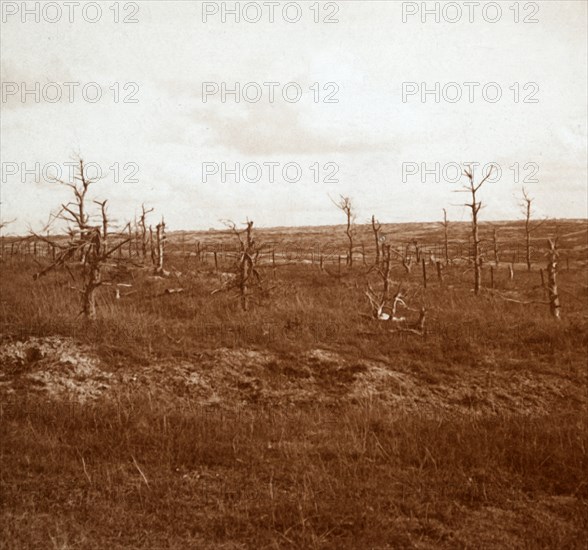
(379, 301)
(168, 291)
(381, 311)
(417, 327)
(88, 245)
(385, 308)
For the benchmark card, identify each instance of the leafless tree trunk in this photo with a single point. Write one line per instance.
(246, 275)
(93, 277)
(475, 207)
(527, 205)
(554, 303)
(159, 239)
(130, 240)
(376, 227)
(92, 242)
(104, 215)
(379, 303)
(385, 272)
(152, 247)
(143, 227)
(529, 227)
(346, 207)
(445, 237)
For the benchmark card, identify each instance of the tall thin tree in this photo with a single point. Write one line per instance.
(475, 206)
(344, 204)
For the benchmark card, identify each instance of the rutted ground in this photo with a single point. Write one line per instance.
(63, 368)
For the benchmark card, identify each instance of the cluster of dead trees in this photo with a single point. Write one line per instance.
(411, 254)
(90, 248)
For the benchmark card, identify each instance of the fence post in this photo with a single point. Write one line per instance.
(424, 264)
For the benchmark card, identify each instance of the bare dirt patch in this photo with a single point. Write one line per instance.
(59, 367)
(63, 368)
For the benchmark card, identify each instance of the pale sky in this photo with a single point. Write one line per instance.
(369, 53)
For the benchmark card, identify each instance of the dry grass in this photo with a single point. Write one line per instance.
(300, 424)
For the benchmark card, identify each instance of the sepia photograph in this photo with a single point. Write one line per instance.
(301, 274)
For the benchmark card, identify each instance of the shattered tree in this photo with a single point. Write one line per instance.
(246, 278)
(346, 207)
(475, 207)
(86, 241)
(552, 292)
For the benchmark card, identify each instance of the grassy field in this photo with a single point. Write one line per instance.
(181, 421)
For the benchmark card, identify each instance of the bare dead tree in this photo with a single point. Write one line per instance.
(475, 207)
(143, 228)
(88, 241)
(344, 204)
(246, 278)
(376, 228)
(379, 300)
(160, 240)
(529, 226)
(152, 247)
(554, 303)
(104, 216)
(136, 238)
(445, 237)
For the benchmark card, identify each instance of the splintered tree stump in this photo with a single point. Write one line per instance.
(159, 240)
